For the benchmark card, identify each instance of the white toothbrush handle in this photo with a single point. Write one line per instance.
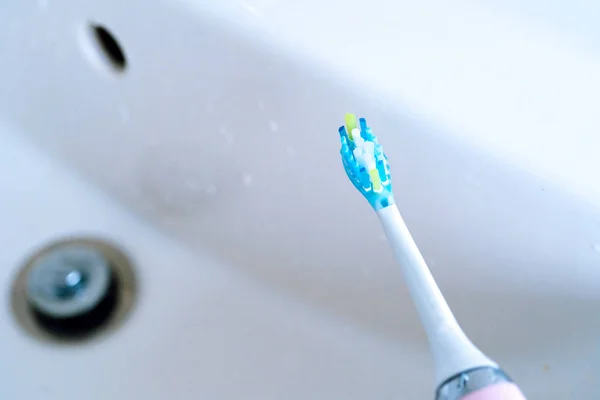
(452, 351)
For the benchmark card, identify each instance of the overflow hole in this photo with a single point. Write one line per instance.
(109, 46)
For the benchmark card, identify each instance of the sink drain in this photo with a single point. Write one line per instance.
(73, 289)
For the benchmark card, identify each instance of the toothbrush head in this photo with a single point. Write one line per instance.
(365, 163)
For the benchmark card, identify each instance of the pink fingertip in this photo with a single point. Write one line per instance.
(499, 391)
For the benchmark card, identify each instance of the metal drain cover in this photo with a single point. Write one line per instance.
(73, 289)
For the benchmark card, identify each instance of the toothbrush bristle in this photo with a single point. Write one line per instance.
(363, 126)
(350, 125)
(364, 161)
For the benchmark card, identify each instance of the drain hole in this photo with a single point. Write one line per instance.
(73, 289)
(79, 326)
(110, 47)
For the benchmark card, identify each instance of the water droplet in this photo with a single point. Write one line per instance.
(223, 131)
(247, 180)
(261, 105)
(596, 247)
(473, 181)
(273, 126)
(124, 113)
(191, 183)
(42, 4)
(211, 190)
(168, 198)
(290, 151)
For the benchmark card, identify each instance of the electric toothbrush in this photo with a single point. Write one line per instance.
(462, 371)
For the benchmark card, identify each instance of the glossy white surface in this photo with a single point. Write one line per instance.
(214, 160)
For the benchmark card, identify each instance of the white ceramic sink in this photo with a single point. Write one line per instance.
(212, 158)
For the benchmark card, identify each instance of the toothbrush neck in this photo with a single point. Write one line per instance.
(431, 305)
(452, 351)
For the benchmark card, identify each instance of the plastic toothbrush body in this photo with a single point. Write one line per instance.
(462, 371)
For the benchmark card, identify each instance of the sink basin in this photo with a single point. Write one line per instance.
(201, 136)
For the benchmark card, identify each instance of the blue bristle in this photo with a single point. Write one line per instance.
(365, 179)
(378, 151)
(381, 168)
(363, 127)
